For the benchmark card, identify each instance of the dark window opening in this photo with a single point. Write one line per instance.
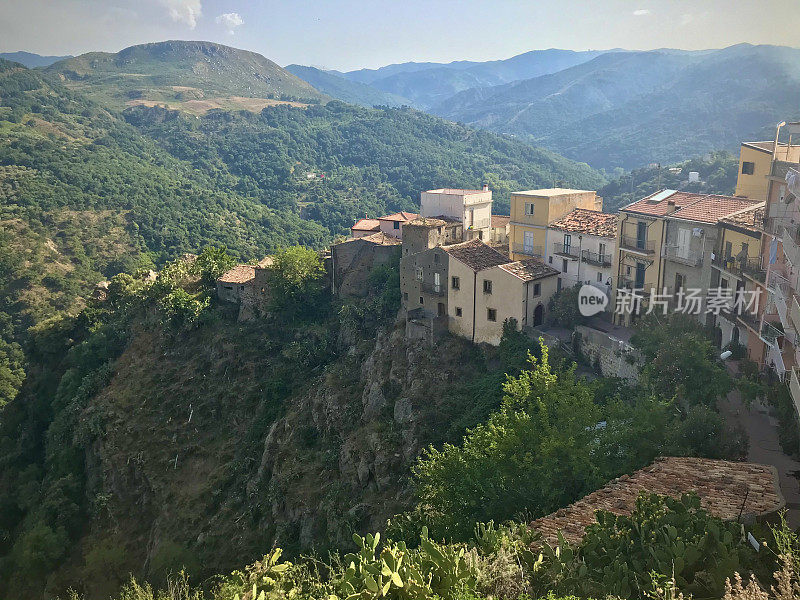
(748, 168)
(487, 286)
(491, 314)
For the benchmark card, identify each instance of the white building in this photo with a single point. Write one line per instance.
(473, 208)
(581, 245)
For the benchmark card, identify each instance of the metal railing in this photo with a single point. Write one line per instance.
(791, 249)
(634, 243)
(565, 250)
(480, 224)
(527, 250)
(595, 258)
(750, 267)
(690, 258)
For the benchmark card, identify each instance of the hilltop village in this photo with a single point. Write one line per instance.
(732, 261)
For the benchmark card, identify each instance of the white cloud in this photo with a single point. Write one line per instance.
(641, 12)
(686, 18)
(230, 21)
(184, 11)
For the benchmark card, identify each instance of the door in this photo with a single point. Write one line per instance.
(527, 242)
(440, 309)
(641, 235)
(538, 315)
(567, 243)
(640, 268)
(684, 240)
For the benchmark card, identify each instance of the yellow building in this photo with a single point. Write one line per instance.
(532, 211)
(755, 163)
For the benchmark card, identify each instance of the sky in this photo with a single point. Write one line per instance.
(346, 35)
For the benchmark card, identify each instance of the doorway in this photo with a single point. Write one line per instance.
(538, 315)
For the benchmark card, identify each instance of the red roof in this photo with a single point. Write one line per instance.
(500, 220)
(590, 222)
(366, 225)
(239, 274)
(707, 208)
(401, 216)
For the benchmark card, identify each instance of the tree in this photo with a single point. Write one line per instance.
(563, 308)
(296, 280)
(534, 454)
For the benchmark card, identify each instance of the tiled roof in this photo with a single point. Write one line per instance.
(725, 489)
(500, 220)
(763, 146)
(238, 274)
(529, 269)
(439, 221)
(747, 218)
(591, 222)
(379, 238)
(366, 225)
(455, 191)
(401, 216)
(705, 208)
(476, 255)
(548, 192)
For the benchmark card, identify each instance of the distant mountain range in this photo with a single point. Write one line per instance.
(196, 76)
(341, 88)
(30, 59)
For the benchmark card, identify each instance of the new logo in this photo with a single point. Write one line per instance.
(591, 300)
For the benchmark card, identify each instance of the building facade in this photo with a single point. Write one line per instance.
(472, 208)
(533, 210)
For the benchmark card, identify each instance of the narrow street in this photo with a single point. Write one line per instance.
(764, 447)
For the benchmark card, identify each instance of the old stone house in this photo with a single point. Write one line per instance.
(353, 260)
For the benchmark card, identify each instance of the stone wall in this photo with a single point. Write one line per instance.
(615, 357)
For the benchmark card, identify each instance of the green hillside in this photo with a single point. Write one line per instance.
(344, 89)
(627, 109)
(192, 75)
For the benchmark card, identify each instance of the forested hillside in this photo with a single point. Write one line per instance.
(339, 87)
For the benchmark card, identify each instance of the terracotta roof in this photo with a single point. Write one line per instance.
(379, 238)
(455, 191)
(706, 208)
(439, 221)
(476, 255)
(721, 485)
(763, 146)
(591, 222)
(748, 218)
(238, 274)
(529, 269)
(401, 216)
(366, 225)
(500, 220)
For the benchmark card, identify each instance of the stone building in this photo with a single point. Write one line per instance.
(353, 260)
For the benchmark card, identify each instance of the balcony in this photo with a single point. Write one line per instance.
(565, 250)
(770, 335)
(480, 224)
(594, 258)
(793, 180)
(794, 313)
(433, 289)
(638, 245)
(685, 257)
(791, 250)
(748, 267)
(527, 250)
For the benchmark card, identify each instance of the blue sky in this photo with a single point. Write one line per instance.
(338, 34)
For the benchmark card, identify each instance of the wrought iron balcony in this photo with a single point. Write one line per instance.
(565, 250)
(750, 267)
(595, 258)
(638, 245)
(690, 258)
(527, 250)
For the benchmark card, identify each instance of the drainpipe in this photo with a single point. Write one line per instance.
(474, 301)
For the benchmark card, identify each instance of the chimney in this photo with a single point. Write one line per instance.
(671, 206)
(485, 187)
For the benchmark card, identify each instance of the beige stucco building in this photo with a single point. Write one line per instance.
(533, 210)
(472, 208)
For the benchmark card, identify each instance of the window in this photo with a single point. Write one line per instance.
(558, 284)
(435, 257)
(679, 281)
(537, 289)
(564, 264)
(641, 235)
(529, 208)
(421, 300)
(458, 311)
(491, 314)
(748, 168)
(723, 284)
(241, 287)
(487, 286)
(480, 235)
(455, 283)
(527, 242)
(437, 284)
(419, 273)
(550, 259)
(602, 250)
(745, 250)
(396, 225)
(599, 277)
(405, 296)
(627, 270)
(567, 243)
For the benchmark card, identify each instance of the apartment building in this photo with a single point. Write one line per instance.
(667, 242)
(472, 208)
(533, 210)
(582, 247)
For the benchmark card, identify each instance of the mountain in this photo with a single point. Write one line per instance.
(31, 60)
(427, 84)
(341, 88)
(191, 75)
(630, 108)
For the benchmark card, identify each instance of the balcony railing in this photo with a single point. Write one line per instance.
(527, 250)
(750, 267)
(794, 390)
(433, 289)
(791, 249)
(479, 224)
(639, 245)
(594, 258)
(565, 250)
(690, 258)
(770, 334)
(793, 180)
